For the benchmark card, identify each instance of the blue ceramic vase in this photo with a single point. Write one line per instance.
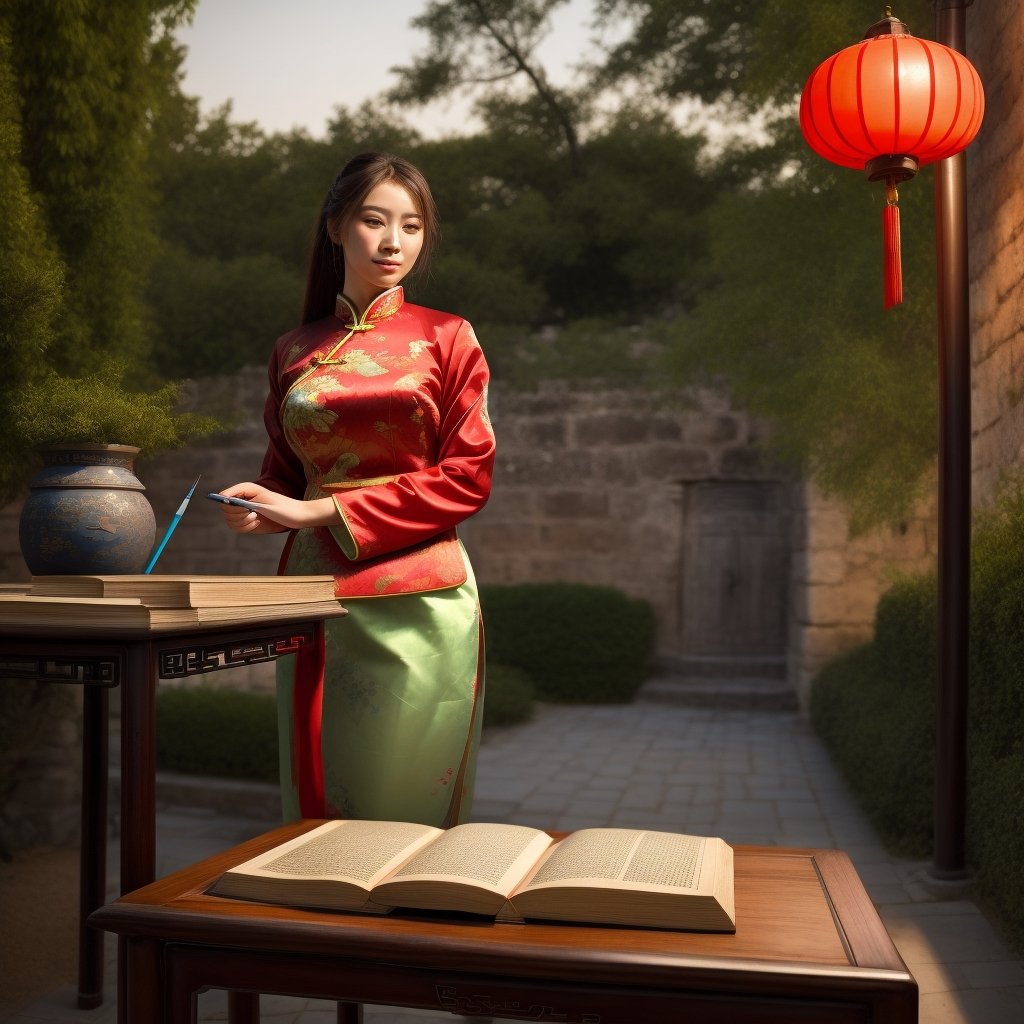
(86, 513)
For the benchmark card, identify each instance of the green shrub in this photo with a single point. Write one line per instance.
(875, 710)
(995, 816)
(232, 734)
(224, 733)
(99, 408)
(578, 643)
(508, 696)
(870, 723)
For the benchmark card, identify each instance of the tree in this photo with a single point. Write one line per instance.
(488, 43)
(796, 330)
(83, 76)
(30, 269)
(78, 86)
(792, 322)
(753, 51)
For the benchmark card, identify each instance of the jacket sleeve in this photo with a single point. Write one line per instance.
(382, 518)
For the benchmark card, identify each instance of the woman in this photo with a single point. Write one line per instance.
(379, 445)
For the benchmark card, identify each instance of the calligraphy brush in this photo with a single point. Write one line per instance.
(173, 526)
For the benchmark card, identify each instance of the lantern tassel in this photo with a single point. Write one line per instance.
(893, 270)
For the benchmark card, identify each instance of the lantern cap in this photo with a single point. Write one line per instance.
(896, 167)
(888, 26)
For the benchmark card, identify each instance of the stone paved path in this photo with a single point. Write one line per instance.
(750, 776)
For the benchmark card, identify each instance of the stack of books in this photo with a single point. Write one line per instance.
(144, 602)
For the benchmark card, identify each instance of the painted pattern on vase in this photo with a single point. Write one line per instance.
(86, 513)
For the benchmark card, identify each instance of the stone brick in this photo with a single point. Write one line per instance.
(828, 528)
(827, 605)
(598, 538)
(575, 504)
(612, 429)
(674, 462)
(825, 567)
(712, 430)
(743, 461)
(666, 428)
(534, 431)
(619, 469)
(504, 536)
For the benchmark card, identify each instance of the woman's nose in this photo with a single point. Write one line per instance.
(389, 240)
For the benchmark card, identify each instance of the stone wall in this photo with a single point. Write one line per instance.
(41, 770)
(995, 172)
(837, 580)
(589, 487)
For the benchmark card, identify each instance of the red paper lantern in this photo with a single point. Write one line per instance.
(888, 105)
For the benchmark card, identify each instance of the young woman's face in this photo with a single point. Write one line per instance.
(381, 242)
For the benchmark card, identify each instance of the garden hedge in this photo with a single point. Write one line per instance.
(232, 734)
(577, 642)
(875, 710)
(559, 641)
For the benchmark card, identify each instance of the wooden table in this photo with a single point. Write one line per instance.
(99, 659)
(808, 947)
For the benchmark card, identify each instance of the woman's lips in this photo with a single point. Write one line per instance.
(387, 264)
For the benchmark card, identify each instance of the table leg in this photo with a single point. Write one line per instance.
(243, 1008)
(92, 890)
(350, 1013)
(138, 787)
(138, 768)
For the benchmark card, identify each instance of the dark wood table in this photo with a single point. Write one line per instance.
(808, 946)
(133, 660)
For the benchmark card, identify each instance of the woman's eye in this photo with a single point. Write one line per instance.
(373, 222)
(412, 229)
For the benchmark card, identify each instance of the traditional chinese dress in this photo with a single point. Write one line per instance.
(387, 414)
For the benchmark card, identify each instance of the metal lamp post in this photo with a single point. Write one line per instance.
(949, 858)
(889, 105)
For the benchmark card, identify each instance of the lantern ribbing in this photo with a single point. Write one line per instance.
(889, 105)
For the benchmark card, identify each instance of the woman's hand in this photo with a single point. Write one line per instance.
(280, 512)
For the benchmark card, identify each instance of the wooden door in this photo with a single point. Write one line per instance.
(735, 569)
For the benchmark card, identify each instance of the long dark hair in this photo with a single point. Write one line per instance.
(356, 180)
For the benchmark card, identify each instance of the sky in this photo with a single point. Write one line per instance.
(289, 63)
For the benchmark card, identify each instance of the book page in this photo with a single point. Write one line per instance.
(358, 851)
(632, 877)
(662, 858)
(633, 857)
(481, 853)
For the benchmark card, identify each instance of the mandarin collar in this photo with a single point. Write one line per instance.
(384, 305)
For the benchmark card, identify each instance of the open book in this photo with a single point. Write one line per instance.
(597, 875)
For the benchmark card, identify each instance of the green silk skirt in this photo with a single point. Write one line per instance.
(402, 709)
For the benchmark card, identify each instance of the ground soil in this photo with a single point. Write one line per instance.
(38, 925)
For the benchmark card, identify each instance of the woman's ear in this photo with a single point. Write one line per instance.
(334, 231)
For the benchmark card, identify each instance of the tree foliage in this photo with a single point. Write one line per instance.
(796, 330)
(487, 45)
(580, 220)
(527, 245)
(79, 87)
(754, 51)
(99, 408)
(793, 321)
(30, 270)
(85, 91)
